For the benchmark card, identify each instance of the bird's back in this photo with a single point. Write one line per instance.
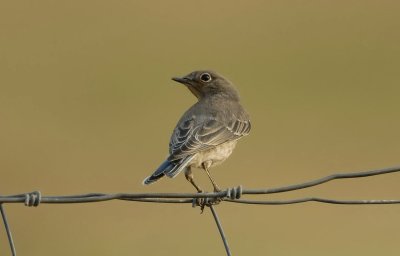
(207, 119)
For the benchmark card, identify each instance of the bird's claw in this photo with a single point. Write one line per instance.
(203, 202)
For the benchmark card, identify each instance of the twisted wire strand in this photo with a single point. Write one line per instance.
(313, 199)
(323, 180)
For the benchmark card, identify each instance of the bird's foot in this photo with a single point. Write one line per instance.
(203, 202)
(216, 200)
(202, 206)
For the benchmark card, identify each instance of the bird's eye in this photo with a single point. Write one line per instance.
(205, 77)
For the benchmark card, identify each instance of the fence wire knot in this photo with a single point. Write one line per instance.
(33, 199)
(231, 193)
(234, 193)
(206, 201)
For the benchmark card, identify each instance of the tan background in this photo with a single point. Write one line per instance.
(87, 105)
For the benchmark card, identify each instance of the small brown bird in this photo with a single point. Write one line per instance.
(207, 133)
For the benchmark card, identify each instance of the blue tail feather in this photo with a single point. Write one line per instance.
(169, 168)
(159, 173)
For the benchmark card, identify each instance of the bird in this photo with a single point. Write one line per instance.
(208, 131)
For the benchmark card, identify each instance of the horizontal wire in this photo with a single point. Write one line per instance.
(231, 195)
(312, 199)
(323, 180)
(226, 194)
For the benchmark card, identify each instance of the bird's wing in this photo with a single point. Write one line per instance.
(191, 137)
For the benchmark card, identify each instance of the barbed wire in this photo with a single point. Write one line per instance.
(231, 195)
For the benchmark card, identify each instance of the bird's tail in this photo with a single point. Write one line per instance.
(159, 173)
(179, 167)
(169, 168)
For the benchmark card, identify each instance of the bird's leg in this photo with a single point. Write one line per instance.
(189, 176)
(206, 166)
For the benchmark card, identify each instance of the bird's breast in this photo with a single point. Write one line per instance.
(216, 155)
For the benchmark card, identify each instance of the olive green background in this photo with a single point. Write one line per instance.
(87, 105)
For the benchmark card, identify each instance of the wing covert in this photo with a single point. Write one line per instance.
(190, 137)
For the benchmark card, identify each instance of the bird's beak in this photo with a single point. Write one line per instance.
(186, 80)
(181, 80)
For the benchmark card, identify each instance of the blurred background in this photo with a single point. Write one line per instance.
(87, 105)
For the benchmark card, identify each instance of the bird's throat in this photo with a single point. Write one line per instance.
(194, 91)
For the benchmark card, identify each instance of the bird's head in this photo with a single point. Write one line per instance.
(207, 83)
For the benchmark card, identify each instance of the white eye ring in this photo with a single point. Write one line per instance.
(205, 77)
